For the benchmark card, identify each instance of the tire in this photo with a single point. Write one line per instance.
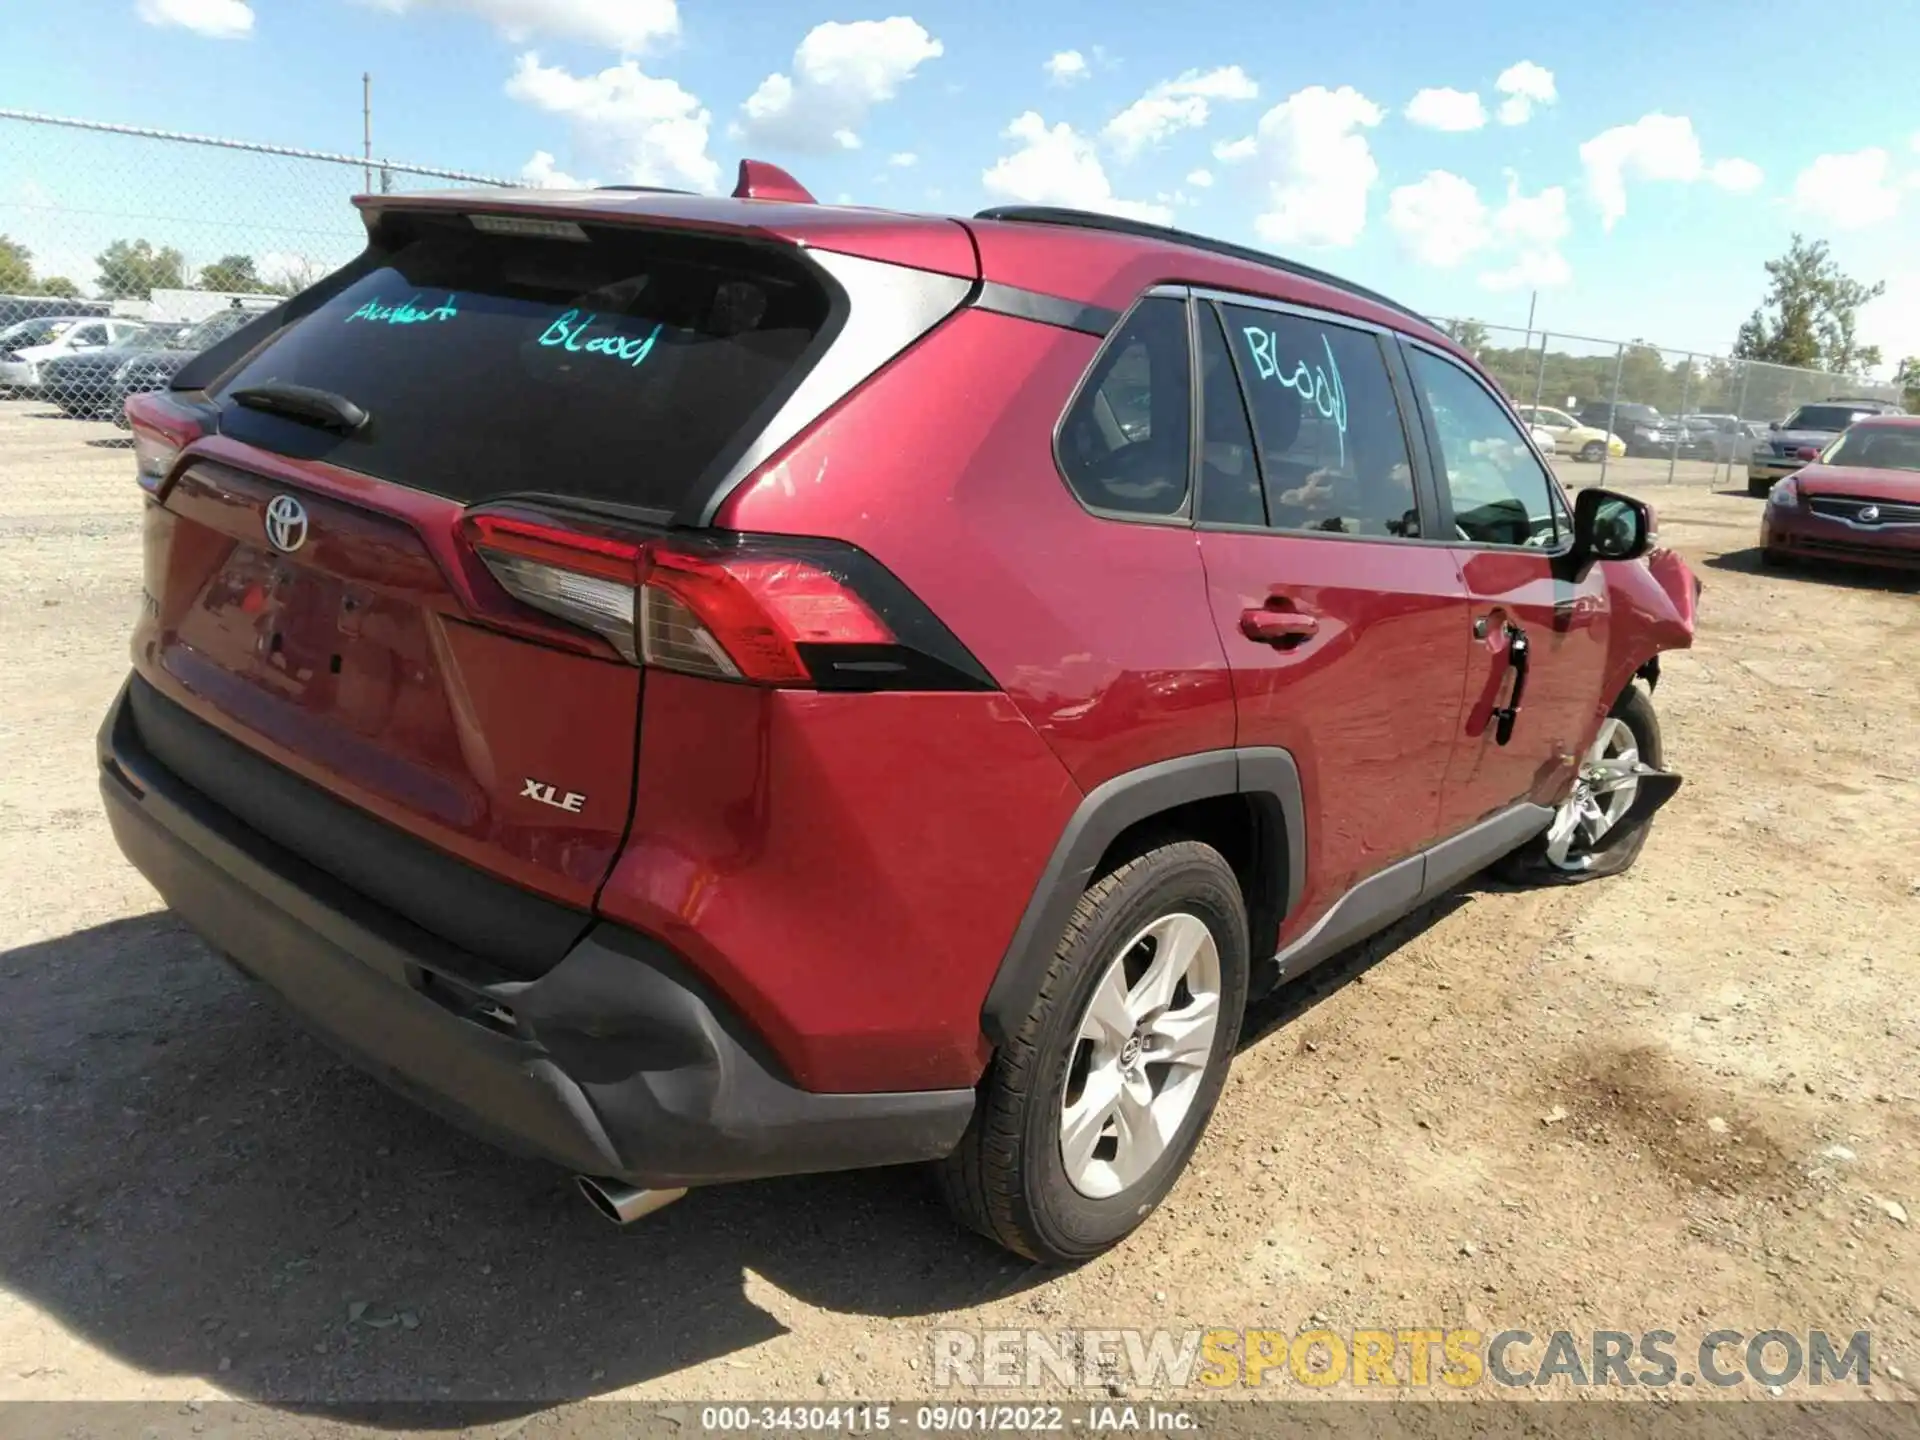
(1010, 1178)
(1533, 863)
(1592, 451)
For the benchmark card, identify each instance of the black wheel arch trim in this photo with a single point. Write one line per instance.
(1262, 773)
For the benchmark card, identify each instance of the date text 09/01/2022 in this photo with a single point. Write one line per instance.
(876, 1419)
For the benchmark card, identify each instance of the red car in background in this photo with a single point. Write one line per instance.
(1858, 501)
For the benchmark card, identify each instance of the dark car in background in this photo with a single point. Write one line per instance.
(1858, 502)
(1644, 429)
(99, 381)
(1792, 442)
(84, 384)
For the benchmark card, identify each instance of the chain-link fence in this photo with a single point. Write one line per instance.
(1644, 412)
(123, 251)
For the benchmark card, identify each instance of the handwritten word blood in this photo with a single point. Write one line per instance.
(565, 333)
(405, 313)
(1321, 386)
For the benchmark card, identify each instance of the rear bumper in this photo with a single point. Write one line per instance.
(1797, 531)
(616, 1062)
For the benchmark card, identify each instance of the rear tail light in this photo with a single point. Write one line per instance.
(761, 610)
(162, 428)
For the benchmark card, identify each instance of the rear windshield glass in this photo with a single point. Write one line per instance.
(1824, 417)
(615, 369)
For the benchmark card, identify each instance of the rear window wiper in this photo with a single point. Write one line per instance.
(305, 404)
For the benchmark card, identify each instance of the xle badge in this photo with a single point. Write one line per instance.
(547, 795)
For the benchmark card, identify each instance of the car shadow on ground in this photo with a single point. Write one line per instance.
(194, 1186)
(1292, 1001)
(1819, 572)
(198, 1188)
(112, 442)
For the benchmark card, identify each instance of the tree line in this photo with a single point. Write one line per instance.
(134, 269)
(1807, 321)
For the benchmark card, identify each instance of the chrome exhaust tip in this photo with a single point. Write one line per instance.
(623, 1203)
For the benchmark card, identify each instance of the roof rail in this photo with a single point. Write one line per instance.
(646, 189)
(1093, 220)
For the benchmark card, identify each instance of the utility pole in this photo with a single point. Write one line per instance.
(1532, 300)
(366, 132)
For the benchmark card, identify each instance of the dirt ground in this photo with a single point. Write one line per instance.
(1682, 1099)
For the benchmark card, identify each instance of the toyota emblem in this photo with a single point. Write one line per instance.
(286, 523)
(1870, 515)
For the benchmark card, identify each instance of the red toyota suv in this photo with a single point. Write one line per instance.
(708, 688)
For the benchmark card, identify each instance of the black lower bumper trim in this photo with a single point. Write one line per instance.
(616, 1062)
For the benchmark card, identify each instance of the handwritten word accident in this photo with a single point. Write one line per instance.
(405, 313)
(1322, 387)
(633, 349)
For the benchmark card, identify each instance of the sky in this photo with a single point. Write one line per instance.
(1633, 175)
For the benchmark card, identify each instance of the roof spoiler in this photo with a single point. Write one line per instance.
(761, 181)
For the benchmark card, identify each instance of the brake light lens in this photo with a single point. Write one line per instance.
(161, 430)
(744, 617)
(760, 610)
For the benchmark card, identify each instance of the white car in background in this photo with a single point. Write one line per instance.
(32, 341)
(1544, 439)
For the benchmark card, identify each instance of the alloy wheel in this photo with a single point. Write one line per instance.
(1140, 1053)
(1602, 794)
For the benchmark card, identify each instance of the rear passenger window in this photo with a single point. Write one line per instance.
(1501, 494)
(1229, 473)
(1332, 450)
(1124, 444)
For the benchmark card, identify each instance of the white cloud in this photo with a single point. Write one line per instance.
(216, 19)
(1533, 226)
(1533, 219)
(628, 26)
(903, 159)
(1059, 166)
(1530, 270)
(1444, 109)
(1067, 67)
(1317, 163)
(1848, 192)
(652, 128)
(1654, 147)
(1439, 220)
(542, 173)
(1442, 221)
(1525, 85)
(841, 70)
(1736, 175)
(1200, 179)
(1175, 105)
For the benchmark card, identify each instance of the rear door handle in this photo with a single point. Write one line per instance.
(1278, 627)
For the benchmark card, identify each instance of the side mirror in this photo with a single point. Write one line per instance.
(1806, 452)
(1610, 526)
(1773, 425)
